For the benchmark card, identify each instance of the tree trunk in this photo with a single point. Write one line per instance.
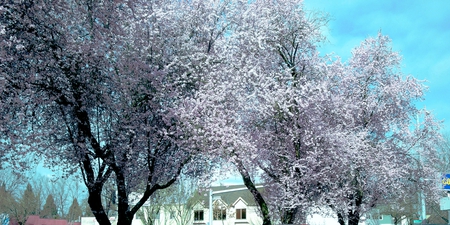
(340, 219)
(289, 216)
(125, 217)
(256, 194)
(353, 218)
(95, 202)
(353, 215)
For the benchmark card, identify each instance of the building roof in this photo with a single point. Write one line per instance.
(231, 197)
(13, 221)
(35, 220)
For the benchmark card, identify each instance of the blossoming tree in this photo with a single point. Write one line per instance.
(95, 85)
(324, 133)
(134, 90)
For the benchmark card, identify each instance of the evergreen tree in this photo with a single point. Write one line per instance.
(49, 210)
(7, 200)
(3, 195)
(75, 211)
(28, 205)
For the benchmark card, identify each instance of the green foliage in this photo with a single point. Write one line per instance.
(75, 211)
(7, 200)
(49, 211)
(27, 205)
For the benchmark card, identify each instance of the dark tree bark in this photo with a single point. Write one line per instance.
(95, 203)
(353, 218)
(289, 216)
(341, 219)
(256, 194)
(354, 215)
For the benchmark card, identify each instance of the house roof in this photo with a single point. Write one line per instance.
(35, 220)
(13, 221)
(231, 197)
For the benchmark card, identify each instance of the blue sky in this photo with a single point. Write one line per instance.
(419, 30)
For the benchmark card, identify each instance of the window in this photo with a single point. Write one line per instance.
(241, 214)
(219, 214)
(198, 215)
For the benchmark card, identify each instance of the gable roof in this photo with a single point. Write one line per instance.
(230, 198)
(239, 200)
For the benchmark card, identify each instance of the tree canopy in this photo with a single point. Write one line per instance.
(94, 85)
(139, 91)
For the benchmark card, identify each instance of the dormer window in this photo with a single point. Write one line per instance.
(219, 214)
(198, 215)
(241, 214)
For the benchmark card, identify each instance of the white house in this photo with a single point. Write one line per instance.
(231, 205)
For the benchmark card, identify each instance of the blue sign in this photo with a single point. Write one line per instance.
(446, 181)
(4, 219)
